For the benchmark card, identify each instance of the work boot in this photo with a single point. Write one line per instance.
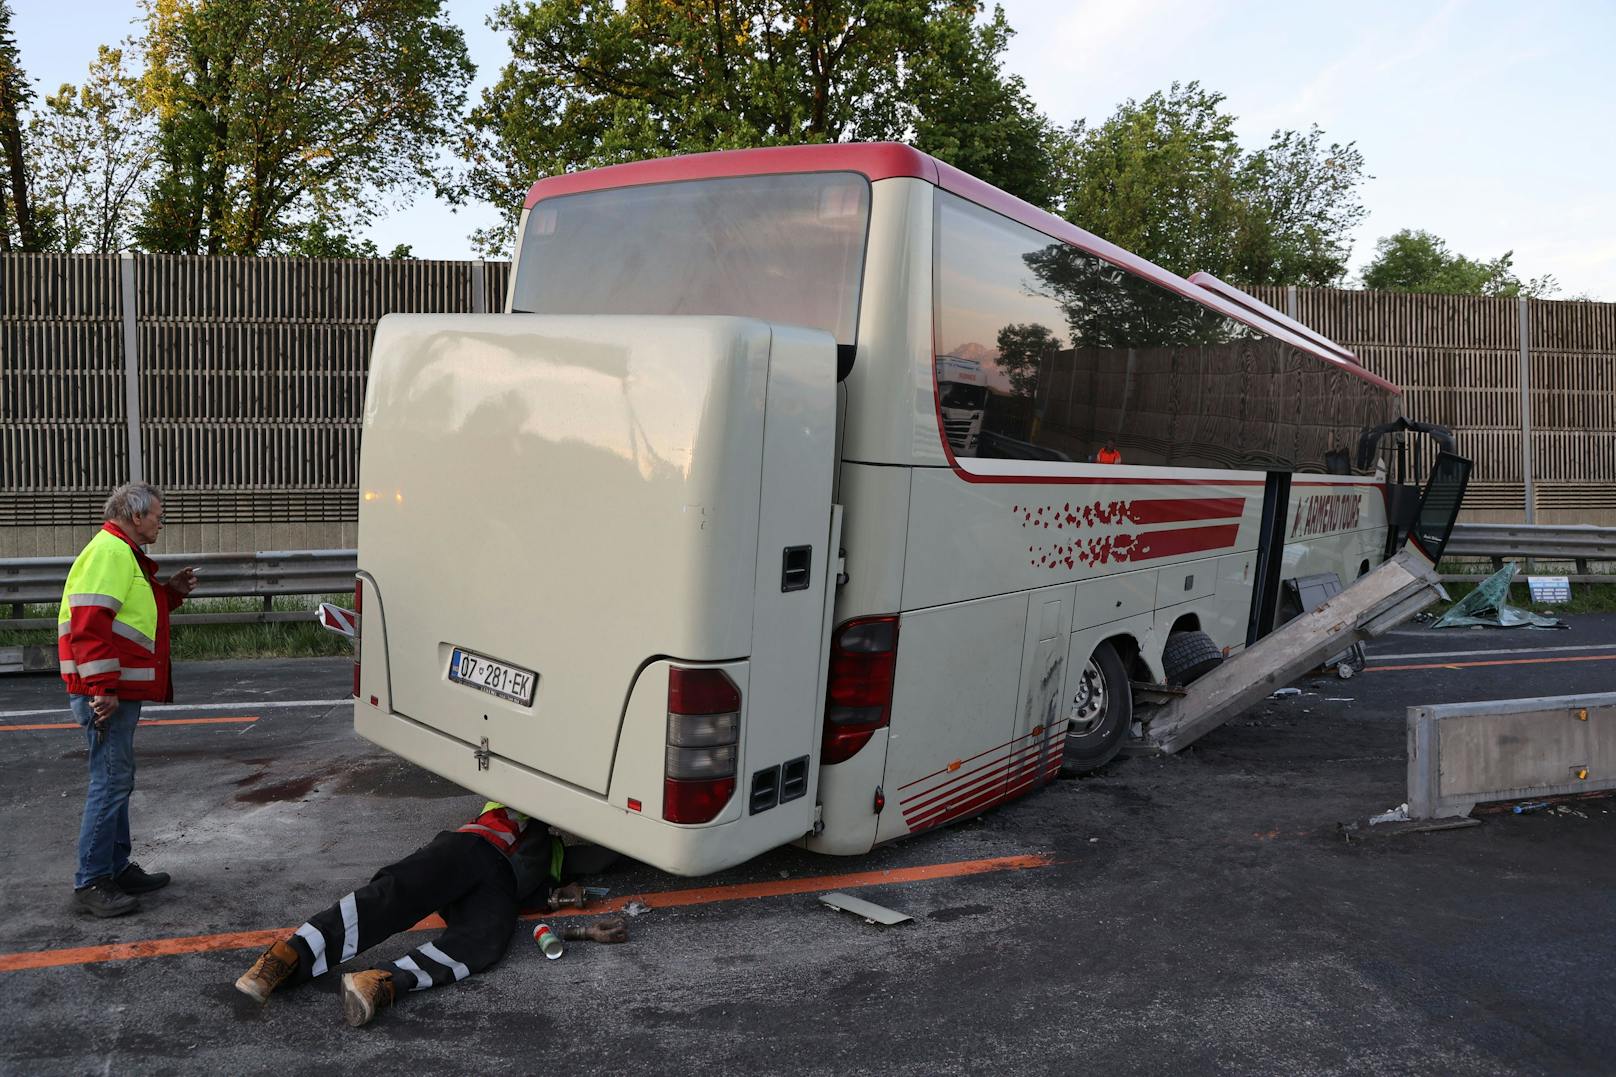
(364, 994)
(103, 898)
(133, 880)
(273, 968)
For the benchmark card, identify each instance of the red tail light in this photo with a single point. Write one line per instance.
(863, 657)
(704, 732)
(358, 629)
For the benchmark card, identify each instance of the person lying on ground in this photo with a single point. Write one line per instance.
(476, 878)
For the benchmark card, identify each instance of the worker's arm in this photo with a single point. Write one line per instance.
(178, 586)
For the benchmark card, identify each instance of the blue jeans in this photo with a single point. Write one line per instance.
(104, 831)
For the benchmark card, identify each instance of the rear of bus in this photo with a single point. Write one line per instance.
(597, 542)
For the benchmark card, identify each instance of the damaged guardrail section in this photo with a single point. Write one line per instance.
(1464, 754)
(1372, 606)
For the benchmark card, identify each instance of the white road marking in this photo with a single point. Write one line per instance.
(1507, 650)
(173, 708)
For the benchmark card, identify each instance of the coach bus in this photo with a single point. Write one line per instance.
(765, 511)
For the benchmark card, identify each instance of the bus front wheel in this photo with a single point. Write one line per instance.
(1100, 712)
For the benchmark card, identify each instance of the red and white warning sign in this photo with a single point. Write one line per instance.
(338, 620)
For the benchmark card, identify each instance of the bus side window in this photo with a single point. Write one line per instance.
(1072, 353)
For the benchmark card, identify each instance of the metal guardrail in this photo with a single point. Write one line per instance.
(36, 580)
(1578, 543)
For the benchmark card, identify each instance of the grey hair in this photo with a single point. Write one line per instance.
(130, 500)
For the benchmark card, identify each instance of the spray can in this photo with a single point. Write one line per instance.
(548, 941)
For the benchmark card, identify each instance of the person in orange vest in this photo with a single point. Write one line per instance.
(476, 878)
(1109, 453)
(112, 644)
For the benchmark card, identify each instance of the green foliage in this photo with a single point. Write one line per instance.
(272, 113)
(325, 239)
(598, 82)
(92, 147)
(19, 227)
(1166, 178)
(1416, 261)
(1022, 351)
(281, 639)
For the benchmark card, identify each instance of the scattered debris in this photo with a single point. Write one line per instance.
(548, 941)
(871, 912)
(597, 892)
(1488, 607)
(636, 908)
(1340, 699)
(1536, 805)
(1398, 814)
(1286, 693)
(1094, 841)
(1352, 832)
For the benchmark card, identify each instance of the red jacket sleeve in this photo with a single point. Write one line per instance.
(174, 598)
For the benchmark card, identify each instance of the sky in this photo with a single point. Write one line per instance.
(1487, 123)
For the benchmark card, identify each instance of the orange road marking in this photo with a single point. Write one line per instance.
(144, 721)
(665, 899)
(1501, 662)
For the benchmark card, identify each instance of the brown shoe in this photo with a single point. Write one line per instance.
(273, 968)
(364, 994)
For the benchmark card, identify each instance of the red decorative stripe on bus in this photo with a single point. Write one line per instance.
(991, 783)
(1019, 778)
(1017, 784)
(965, 782)
(962, 775)
(1154, 544)
(1054, 730)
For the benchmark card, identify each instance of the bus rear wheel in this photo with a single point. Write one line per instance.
(1100, 714)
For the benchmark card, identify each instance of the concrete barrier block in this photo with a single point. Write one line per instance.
(1464, 754)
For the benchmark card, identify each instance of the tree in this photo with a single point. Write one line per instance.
(1413, 260)
(1166, 178)
(93, 147)
(596, 82)
(16, 208)
(272, 113)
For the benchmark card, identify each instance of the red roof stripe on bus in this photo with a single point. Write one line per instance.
(873, 160)
(888, 160)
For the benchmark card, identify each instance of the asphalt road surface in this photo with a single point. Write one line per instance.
(1200, 913)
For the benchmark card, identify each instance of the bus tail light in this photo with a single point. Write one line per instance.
(358, 629)
(704, 733)
(863, 657)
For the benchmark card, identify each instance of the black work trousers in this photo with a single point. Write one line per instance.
(460, 876)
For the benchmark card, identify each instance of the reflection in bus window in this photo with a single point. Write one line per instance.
(1073, 352)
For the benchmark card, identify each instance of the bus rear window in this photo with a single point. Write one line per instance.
(786, 248)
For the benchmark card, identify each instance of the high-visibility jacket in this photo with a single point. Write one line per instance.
(536, 855)
(112, 627)
(1108, 456)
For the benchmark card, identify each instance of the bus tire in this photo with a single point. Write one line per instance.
(1189, 656)
(1101, 712)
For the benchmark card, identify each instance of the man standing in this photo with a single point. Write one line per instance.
(112, 639)
(476, 877)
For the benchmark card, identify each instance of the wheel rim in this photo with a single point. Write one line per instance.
(1088, 704)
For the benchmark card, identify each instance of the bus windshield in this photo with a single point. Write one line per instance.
(783, 248)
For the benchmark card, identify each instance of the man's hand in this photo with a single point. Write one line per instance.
(611, 929)
(183, 582)
(103, 707)
(571, 896)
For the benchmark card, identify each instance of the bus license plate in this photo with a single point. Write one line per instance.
(496, 678)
